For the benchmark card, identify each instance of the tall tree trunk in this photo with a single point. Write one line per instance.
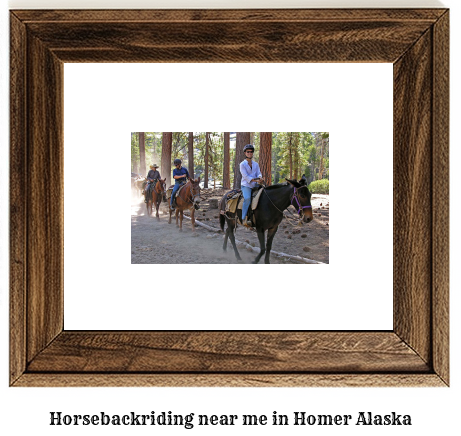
(296, 155)
(290, 153)
(142, 154)
(265, 156)
(207, 140)
(321, 161)
(191, 154)
(243, 138)
(225, 171)
(167, 143)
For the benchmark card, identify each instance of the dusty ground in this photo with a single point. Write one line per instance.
(156, 241)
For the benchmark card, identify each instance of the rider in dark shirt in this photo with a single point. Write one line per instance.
(152, 175)
(180, 176)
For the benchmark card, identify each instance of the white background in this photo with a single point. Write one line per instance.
(432, 410)
(351, 101)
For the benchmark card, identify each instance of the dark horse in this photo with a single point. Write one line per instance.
(154, 196)
(269, 213)
(188, 199)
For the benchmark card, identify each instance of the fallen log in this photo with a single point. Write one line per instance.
(256, 249)
(213, 229)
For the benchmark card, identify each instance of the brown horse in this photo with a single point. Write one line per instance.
(188, 199)
(155, 196)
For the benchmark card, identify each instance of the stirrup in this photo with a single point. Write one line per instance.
(247, 223)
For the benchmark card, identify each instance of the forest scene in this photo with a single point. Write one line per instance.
(212, 160)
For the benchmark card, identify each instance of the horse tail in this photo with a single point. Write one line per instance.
(222, 221)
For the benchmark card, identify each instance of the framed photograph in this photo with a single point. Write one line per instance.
(414, 353)
(206, 171)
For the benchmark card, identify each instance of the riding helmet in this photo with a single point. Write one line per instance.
(248, 147)
(177, 161)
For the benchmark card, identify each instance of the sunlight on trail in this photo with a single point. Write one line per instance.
(135, 210)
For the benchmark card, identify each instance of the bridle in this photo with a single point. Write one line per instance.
(162, 187)
(300, 207)
(295, 197)
(160, 191)
(192, 194)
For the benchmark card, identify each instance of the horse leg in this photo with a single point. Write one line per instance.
(226, 237)
(180, 220)
(232, 238)
(177, 217)
(192, 219)
(149, 207)
(262, 244)
(270, 236)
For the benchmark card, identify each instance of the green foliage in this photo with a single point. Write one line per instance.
(320, 187)
(293, 153)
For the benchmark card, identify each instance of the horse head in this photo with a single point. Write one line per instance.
(161, 188)
(195, 191)
(301, 199)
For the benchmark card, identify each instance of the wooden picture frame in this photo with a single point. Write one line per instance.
(414, 353)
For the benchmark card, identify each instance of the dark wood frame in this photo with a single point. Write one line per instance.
(414, 353)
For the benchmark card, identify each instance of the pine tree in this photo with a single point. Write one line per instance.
(142, 154)
(167, 141)
(226, 161)
(243, 138)
(265, 156)
(207, 145)
(190, 153)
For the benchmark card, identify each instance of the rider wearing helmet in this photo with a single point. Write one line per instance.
(251, 176)
(180, 176)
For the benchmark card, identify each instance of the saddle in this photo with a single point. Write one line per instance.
(233, 200)
(169, 191)
(150, 187)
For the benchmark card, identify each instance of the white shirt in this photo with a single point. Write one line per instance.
(249, 173)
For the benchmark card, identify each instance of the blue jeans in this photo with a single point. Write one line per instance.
(175, 189)
(246, 200)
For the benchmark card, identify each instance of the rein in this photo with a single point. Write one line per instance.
(294, 196)
(159, 191)
(193, 196)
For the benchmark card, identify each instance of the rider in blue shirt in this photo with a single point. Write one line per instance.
(180, 176)
(251, 176)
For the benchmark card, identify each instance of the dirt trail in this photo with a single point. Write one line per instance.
(156, 241)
